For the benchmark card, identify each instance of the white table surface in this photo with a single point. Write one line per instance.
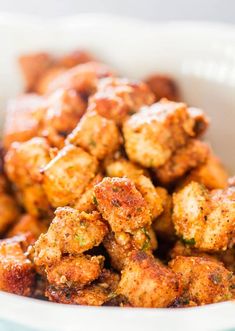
(212, 10)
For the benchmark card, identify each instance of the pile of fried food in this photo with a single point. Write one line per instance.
(108, 195)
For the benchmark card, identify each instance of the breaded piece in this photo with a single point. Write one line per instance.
(64, 108)
(163, 225)
(33, 66)
(95, 294)
(24, 161)
(75, 271)
(21, 123)
(193, 154)
(87, 201)
(118, 98)
(74, 58)
(16, 271)
(66, 176)
(153, 134)
(125, 168)
(146, 282)
(163, 87)
(9, 211)
(83, 78)
(46, 78)
(211, 173)
(201, 121)
(122, 205)
(71, 232)
(28, 223)
(97, 135)
(204, 280)
(205, 219)
(120, 245)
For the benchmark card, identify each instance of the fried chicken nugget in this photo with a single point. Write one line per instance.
(125, 168)
(205, 219)
(211, 173)
(9, 211)
(97, 135)
(122, 205)
(66, 176)
(153, 135)
(204, 280)
(184, 159)
(22, 116)
(63, 110)
(146, 282)
(74, 271)
(71, 232)
(17, 274)
(163, 87)
(83, 78)
(118, 98)
(95, 294)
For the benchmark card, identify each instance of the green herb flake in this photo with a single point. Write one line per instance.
(147, 242)
(92, 143)
(190, 242)
(216, 279)
(95, 200)
(82, 241)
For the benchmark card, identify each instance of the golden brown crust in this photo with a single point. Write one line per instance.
(118, 98)
(16, 271)
(66, 176)
(153, 134)
(184, 159)
(71, 232)
(148, 283)
(206, 219)
(97, 135)
(121, 204)
(204, 280)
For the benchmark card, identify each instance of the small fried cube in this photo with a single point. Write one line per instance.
(97, 135)
(122, 205)
(146, 282)
(9, 211)
(16, 271)
(152, 135)
(163, 87)
(71, 232)
(66, 176)
(204, 280)
(118, 98)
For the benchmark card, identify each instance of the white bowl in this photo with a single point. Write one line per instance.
(201, 56)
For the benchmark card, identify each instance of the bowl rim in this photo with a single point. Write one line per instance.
(225, 31)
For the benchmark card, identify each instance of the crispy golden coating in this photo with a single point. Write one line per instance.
(205, 219)
(211, 173)
(66, 176)
(16, 271)
(153, 134)
(122, 205)
(33, 66)
(97, 135)
(63, 110)
(125, 168)
(204, 280)
(95, 294)
(74, 58)
(118, 98)
(28, 223)
(120, 245)
(163, 87)
(21, 123)
(146, 282)
(87, 201)
(184, 159)
(75, 271)
(9, 211)
(163, 225)
(83, 78)
(24, 161)
(71, 232)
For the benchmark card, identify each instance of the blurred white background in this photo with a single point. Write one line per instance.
(212, 10)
